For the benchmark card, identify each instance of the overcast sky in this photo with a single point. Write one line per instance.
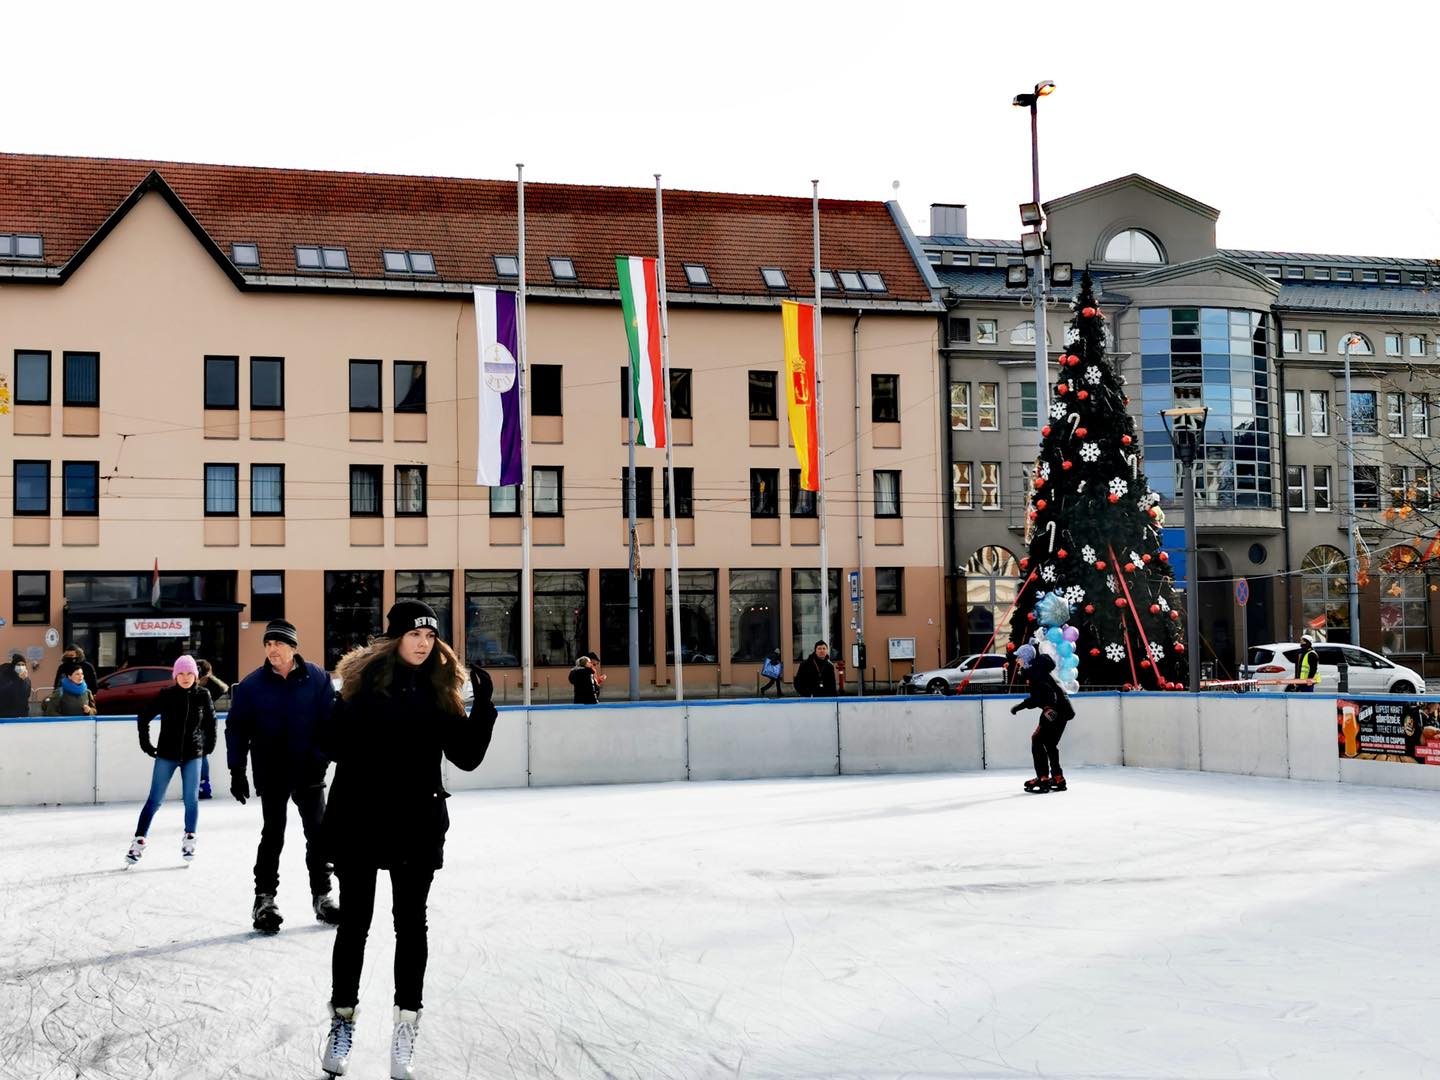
(1309, 126)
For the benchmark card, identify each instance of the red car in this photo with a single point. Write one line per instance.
(123, 692)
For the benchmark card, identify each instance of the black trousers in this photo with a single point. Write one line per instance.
(274, 810)
(1045, 744)
(410, 889)
(775, 682)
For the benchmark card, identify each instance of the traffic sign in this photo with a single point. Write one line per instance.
(1242, 591)
(854, 586)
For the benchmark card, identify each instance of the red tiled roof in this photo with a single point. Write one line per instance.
(463, 222)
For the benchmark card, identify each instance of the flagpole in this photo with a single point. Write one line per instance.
(676, 643)
(823, 496)
(634, 572)
(527, 650)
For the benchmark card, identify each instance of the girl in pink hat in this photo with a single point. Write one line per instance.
(187, 734)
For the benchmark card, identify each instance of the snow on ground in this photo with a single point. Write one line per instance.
(1143, 924)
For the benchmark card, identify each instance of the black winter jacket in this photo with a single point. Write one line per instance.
(586, 692)
(1045, 692)
(276, 722)
(815, 677)
(187, 724)
(14, 692)
(387, 803)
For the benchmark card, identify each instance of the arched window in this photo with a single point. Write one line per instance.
(1360, 344)
(992, 576)
(1404, 620)
(1134, 246)
(1324, 590)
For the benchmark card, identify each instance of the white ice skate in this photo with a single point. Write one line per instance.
(402, 1045)
(337, 1044)
(137, 848)
(187, 847)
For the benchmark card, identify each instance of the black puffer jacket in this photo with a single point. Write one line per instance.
(1045, 692)
(387, 804)
(187, 724)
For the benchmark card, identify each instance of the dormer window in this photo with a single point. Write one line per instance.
(408, 262)
(697, 275)
(1294, 273)
(506, 266)
(774, 277)
(985, 260)
(1134, 246)
(322, 258)
(21, 246)
(850, 279)
(245, 254)
(1344, 275)
(827, 281)
(873, 281)
(563, 269)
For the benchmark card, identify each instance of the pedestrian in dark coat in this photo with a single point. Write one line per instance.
(71, 697)
(399, 713)
(276, 713)
(582, 678)
(211, 683)
(815, 677)
(15, 687)
(1049, 697)
(75, 656)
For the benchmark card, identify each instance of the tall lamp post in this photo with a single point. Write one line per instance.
(1032, 244)
(1352, 591)
(1186, 428)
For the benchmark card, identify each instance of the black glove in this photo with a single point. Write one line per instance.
(1017, 708)
(483, 685)
(149, 750)
(239, 787)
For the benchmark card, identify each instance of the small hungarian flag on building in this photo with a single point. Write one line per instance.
(799, 322)
(155, 584)
(640, 296)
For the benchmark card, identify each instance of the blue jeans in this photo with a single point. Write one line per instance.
(204, 769)
(160, 780)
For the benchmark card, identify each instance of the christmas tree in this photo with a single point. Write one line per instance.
(1093, 533)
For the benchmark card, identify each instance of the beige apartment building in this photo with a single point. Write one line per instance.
(262, 382)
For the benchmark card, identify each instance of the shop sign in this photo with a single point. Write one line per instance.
(164, 628)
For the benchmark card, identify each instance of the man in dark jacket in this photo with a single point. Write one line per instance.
(74, 656)
(815, 677)
(582, 678)
(15, 687)
(276, 716)
(1055, 712)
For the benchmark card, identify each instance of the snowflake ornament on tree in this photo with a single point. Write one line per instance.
(1074, 595)
(1157, 651)
(1090, 452)
(1045, 471)
(1092, 375)
(1057, 411)
(1118, 487)
(1048, 572)
(1114, 653)
(1088, 553)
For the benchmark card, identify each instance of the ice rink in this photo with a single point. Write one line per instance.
(1143, 924)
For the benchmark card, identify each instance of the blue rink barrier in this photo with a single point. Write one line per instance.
(80, 760)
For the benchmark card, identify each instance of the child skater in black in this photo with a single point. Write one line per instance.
(398, 712)
(1055, 712)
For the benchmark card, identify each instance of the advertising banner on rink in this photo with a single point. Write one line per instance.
(1400, 730)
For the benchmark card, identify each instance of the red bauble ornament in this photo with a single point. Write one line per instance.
(1099, 564)
(1088, 312)
(1061, 553)
(1009, 646)
(1094, 652)
(1125, 401)
(1039, 482)
(1154, 511)
(1128, 687)
(1113, 497)
(1083, 394)
(1063, 388)
(1045, 431)
(1164, 556)
(1040, 504)
(1179, 647)
(1174, 616)
(1129, 568)
(1154, 609)
(1080, 433)
(1145, 559)
(1031, 616)
(1119, 601)
(1024, 563)
(1144, 663)
(1125, 440)
(1032, 515)
(1089, 609)
(1067, 465)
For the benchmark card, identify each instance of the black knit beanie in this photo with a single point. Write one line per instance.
(410, 615)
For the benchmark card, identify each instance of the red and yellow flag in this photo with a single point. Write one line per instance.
(799, 322)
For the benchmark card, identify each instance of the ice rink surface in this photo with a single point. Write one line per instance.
(1143, 924)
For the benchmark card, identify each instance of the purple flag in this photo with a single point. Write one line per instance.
(497, 459)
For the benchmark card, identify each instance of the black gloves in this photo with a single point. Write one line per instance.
(239, 787)
(1017, 708)
(145, 746)
(482, 684)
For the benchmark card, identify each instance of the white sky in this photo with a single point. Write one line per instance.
(1309, 125)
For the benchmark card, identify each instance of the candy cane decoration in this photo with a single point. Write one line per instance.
(1134, 462)
(1051, 529)
(1074, 419)
(1080, 487)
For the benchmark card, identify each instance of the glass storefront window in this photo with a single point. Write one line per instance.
(1324, 592)
(699, 628)
(492, 618)
(754, 614)
(806, 626)
(561, 617)
(430, 587)
(991, 578)
(615, 616)
(1404, 619)
(352, 611)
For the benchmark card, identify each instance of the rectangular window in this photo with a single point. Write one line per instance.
(615, 616)
(699, 623)
(245, 254)
(312, 257)
(562, 619)
(1395, 412)
(958, 330)
(806, 624)
(267, 382)
(32, 598)
(410, 490)
(884, 399)
(408, 262)
(990, 485)
(960, 483)
(547, 493)
(1319, 412)
(364, 385)
(764, 496)
(680, 394)
(1415, 344)
(267, 490)
(1399, 485)
(1392, 277)
(222, 490)
(644, 492)
(267, 595)
(989, 406)
(1294, 273)
(1294, 417)
(1320, 475)
(1315, 341)
(889, 590)
(352, 611)
(684, 493)
(1320, 274)
(32, 378)
(492, 618)
(960, 406)
(432, 587)
(1367, 487)
(1295, 486)
(505, 501)
(82, 379)
(887, 493)
(1290, 342)
(365, 481)
(1421, 487)
(754, 614)
(1344, 275)
(987, 331)
(410, 386)
(762, 395)
(1392, 344)
(222, 382)
(774, 277)
(802, 502)
(507, 266)
(1029, 406)
(80, 488)
(1420, 416)
(1362, 413)
(1370, 275)
(545, 399)
(563, 269)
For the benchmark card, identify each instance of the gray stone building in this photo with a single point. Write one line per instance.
(1256, 336)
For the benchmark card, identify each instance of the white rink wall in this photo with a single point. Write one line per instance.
(95, 760)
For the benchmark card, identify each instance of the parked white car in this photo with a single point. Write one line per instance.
(988, 674)
(1370, 673)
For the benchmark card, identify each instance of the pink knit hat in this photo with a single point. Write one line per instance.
(184, 664)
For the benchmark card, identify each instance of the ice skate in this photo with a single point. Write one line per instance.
(205, 789)
(326, 909)
(187, 847)
(402, 1044)
(337, 1044)
(265, 915)
(1039, 786)
(137, 848)
(1057, 783)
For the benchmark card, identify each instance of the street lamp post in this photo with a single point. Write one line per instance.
(1042, 375)
(1352, 591)
(1187, 431)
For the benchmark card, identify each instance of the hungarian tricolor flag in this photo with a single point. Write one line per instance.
(799, 322)
(640, 296)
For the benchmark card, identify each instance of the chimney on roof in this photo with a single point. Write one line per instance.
(948, 219)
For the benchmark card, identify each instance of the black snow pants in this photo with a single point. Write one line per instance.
(409, 890)
(274, 810)
(1045, 743)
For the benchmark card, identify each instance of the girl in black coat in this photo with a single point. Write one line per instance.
(1055, 712)
(187, 734)
(398, 713)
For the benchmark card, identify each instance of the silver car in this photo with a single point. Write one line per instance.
(1370, 673)
(986, 671)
